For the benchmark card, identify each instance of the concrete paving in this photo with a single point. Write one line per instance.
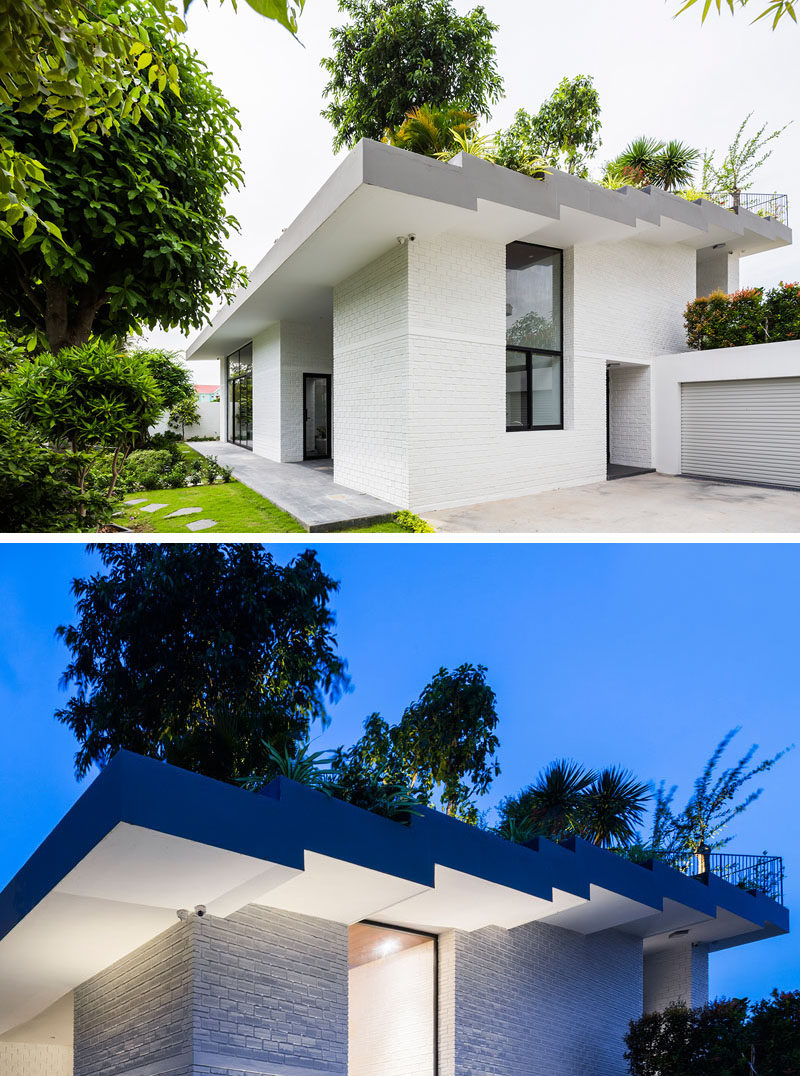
(305, 490)
(648, 503)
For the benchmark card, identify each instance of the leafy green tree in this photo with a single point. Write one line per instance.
(443, 746)
(743, 158)
(396, 55)
(186, 412)
(567, 800)
(172, 376)
(715, 801)
(774, 1031)
(200, 655)
(565, 132)
(141, 210)
(775, 9)
(82, 403)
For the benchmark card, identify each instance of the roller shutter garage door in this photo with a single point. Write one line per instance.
(745, 430)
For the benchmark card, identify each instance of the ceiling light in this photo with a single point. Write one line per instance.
(391, 945)
(678, 933)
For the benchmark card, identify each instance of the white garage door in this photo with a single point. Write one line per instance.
(746, 430)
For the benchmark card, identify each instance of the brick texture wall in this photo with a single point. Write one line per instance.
(630, 439)
(676, 976)
(371, 387)
(306, 348)
(419, 346)
(138, 1012)
(537, 999)
(21, 1059)
(267, 393)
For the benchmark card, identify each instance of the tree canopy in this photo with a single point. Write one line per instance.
(199, 655)
(142, 214)
(565, 132)
(395, 55)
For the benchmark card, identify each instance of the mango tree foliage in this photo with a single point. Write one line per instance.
(141, 210)
(396, 55)
(774, 9)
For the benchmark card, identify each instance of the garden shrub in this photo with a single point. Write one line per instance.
(748, 316)
(718, 1038)
(413, 523)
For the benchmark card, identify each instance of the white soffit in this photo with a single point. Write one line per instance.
(603, 911)
(53, 1027)
(63, 942)
(725, 925)
(343, 892)
(675, 916)
(140, 866)
(464, 902)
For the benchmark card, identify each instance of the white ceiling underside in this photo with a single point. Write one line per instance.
(129, 888)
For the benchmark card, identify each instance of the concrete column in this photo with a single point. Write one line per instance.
(717, 270)
(676, 976)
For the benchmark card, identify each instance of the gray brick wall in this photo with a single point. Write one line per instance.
(263, 992)
(537, 999)
(137, 1012)
(676, 976)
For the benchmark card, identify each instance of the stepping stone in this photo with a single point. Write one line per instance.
(201, 524)
(182, 512)
(153, 507)
(137, 500)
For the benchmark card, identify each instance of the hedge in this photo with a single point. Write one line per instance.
(749, 316)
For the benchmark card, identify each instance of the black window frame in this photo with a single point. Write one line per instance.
(229, 381)
(529, 352)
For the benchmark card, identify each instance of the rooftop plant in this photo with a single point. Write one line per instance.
(748, 316)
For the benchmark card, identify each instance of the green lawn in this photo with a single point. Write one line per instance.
(389, 527)
(237, 510)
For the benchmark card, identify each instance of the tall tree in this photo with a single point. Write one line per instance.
(565, 132)
(443, 746)
(395, 55)
(743, 157)
(200, 655)
(141, 211)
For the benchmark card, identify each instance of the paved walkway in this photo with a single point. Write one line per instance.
(305, 490)
(649, 503)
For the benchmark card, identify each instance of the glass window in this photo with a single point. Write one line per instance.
(240, 397)
(534, 360)
(533, 297)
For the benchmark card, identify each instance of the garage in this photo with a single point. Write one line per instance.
(747, 430)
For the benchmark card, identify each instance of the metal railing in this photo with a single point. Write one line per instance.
(764, 205)
(762, 875)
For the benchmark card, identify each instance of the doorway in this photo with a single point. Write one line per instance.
(317, 441)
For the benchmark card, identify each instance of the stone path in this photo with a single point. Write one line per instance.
(183, 512)
(201, 524)
(194, 525)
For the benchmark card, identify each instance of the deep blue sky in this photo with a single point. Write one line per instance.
(643, 655)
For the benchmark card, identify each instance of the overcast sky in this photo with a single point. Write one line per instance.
(639, 655)
(656, 75)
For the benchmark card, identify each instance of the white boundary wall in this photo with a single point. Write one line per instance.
(723, 364)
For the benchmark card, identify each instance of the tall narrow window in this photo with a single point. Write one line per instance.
(392, 1002)
(240, 397)
(534, 359)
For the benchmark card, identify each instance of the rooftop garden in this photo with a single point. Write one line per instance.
(420, 76)
(242, 709)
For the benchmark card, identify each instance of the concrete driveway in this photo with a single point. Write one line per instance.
(650, 503)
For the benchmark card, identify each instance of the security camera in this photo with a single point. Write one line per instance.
(200, 911)
(183, 914)
(412, 238)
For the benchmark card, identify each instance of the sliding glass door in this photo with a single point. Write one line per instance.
(240, 397)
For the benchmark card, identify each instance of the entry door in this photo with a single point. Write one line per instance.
(747, 430)
(316, 416)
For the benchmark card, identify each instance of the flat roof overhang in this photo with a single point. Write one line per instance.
(146, 839)
(379, 193)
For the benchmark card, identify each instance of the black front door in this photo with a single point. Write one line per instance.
(316, 416)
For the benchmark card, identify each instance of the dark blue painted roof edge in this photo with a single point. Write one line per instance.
(289, 818)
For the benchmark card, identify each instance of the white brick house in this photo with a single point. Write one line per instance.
(172, 925)
(455, 333)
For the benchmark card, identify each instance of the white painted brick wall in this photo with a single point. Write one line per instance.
(419, 343)
(371, 388)
(305, 348)
(629, 416)
(267, 393)
(391, 1015)
(718, 272)
(537, 999)
(676, 976)
(22, 1059)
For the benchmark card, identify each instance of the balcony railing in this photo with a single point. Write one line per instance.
(761, 875)
(764, 205)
